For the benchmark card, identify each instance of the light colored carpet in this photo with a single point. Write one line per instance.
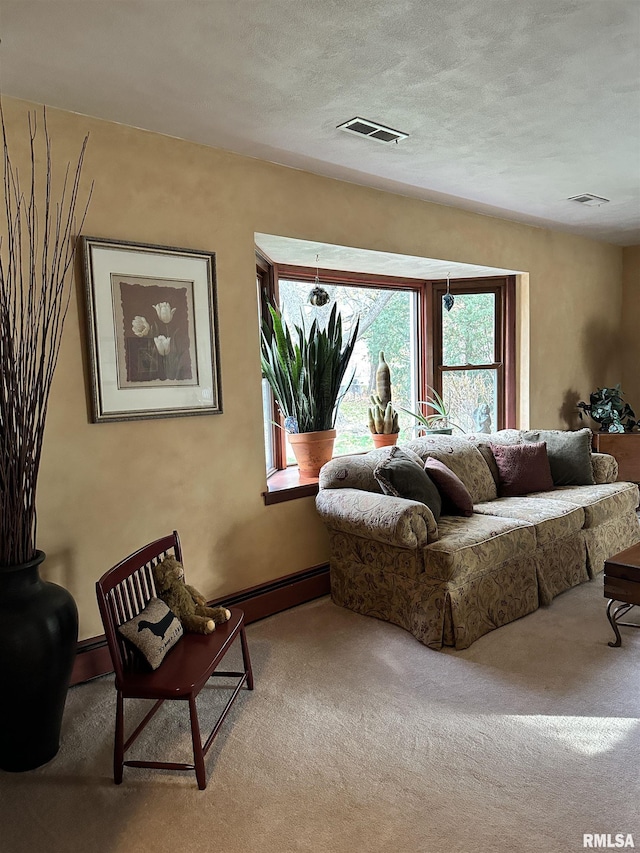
(359, 739)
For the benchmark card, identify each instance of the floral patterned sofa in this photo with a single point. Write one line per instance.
(450, 582)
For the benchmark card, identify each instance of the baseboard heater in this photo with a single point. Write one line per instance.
(257, 602)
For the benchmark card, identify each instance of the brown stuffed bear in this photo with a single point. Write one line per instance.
(186, 602)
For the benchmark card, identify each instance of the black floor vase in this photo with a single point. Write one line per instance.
(38, 637)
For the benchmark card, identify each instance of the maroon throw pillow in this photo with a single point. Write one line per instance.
(456, 499)
(523, 468)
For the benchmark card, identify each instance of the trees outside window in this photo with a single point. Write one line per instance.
(473, 347)
(386, 323)
(461, 353)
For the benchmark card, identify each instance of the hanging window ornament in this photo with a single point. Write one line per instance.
(448, 298)
(318, 296)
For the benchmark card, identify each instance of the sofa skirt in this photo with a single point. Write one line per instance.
(609, 538)
(436, 612)
(562, 564)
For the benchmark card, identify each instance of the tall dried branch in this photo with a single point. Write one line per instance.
(37, 249)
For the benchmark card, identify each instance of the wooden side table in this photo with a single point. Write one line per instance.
(622, 588)
(625, 448)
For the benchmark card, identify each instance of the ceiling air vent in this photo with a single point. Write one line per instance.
(372, 130)
(589, 199)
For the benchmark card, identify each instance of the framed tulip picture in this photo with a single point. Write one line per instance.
(152, 328)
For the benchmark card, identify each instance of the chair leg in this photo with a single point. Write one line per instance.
(198, 755)
(118, 745)
(246, 659)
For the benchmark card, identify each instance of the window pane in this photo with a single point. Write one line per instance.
(472, 398)
(387, 323)
(468, 330)
(267, 409)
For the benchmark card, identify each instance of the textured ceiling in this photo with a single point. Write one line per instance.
(305, 253)
(512, 106)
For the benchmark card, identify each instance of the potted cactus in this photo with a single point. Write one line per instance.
(383, 418)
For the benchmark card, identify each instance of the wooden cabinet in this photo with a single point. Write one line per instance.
(625, 448)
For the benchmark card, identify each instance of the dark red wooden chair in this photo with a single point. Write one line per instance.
(122, 593)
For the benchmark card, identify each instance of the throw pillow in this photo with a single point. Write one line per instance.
(456, 499)
(522, 468)
(398, 475)
(153, 631)
(485, 449)
(569, 455)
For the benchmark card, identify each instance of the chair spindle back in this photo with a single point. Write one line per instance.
(125, 590)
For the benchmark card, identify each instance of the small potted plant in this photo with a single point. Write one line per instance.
(618, 435)
(306, 377)
(607, 407)
(383, 418)
(435, 418)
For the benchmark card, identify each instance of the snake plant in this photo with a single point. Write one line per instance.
(306, 375)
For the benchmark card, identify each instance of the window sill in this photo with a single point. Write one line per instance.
(288, 485)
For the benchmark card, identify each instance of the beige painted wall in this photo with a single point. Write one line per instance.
(631, 326)
(106, 489)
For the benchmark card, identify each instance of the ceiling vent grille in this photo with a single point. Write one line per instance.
(372, 130)
(589, 200)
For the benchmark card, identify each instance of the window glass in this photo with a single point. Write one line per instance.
(267, 416)
(470, 368)
(468, 330)
(267, 394)
(387, 323)
(472, 399)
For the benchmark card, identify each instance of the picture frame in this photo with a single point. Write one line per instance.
(152, 330)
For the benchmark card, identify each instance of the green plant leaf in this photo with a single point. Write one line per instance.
(306, 377)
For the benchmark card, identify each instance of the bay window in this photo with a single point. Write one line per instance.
(467, 353)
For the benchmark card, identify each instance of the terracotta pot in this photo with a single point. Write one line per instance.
(312, 450)
(384, 439)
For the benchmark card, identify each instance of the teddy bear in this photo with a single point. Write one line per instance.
(186, 602)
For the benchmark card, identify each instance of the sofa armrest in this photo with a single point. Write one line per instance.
(605, 468)
(393, 521)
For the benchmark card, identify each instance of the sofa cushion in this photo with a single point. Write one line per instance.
(553, 520)
(502, 436)
(522, 468)
(601, 503)
(485, 449)
(357, 472)
(470, 547)
(456, 500)
(461, 457)
(569, 455)
(400, 476)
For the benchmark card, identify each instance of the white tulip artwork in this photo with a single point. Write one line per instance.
(152, 330)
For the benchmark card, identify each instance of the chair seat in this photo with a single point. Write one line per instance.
(187, 667)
